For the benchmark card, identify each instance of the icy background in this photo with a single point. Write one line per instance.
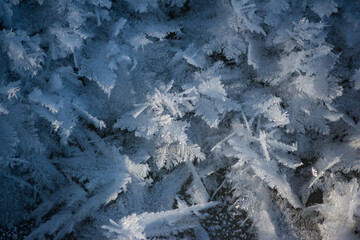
(179, 119)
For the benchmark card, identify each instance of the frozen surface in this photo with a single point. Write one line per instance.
(179, 119)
